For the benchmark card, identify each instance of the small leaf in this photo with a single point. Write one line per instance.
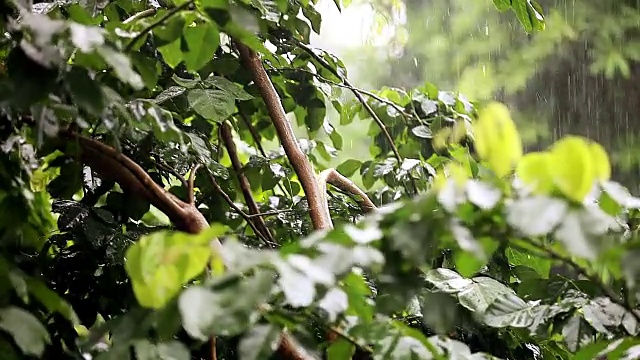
(349, 167)
(27, 331)
(334, 302)
(232, 88)
(341, 349)
(572, 235)
(577, 180)
(422, 131)
(508, 310)
(447, 281)
(122, 66)
(85, 91)
(482, 194)
(533, 171)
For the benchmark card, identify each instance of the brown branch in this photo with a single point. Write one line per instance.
(316, 195)
(113, 165)
(336, 179)
(227, 138)
(318, 211)
(191, 197)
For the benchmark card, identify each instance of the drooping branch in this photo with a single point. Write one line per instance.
(318, 210)
(227, 138)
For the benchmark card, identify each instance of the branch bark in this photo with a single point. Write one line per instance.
(227, 138)
(333, 177)
(318, 210)
(314, 188)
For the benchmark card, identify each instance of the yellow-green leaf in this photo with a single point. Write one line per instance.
(496, 139)
(159, 264)
(572, 167)
(533, 171)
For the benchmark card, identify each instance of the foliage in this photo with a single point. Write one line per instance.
(127, 129)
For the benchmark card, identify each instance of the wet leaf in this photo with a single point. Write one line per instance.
(215, 105)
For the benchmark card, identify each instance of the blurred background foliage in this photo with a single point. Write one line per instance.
(579, 76)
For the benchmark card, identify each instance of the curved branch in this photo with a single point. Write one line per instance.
(113, 165)
(318, 211)
(336, 179)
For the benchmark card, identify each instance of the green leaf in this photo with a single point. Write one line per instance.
(172, 53)
(341, 349)
(542, 266)
(496, 139)
(27, 331)
(171, 29)
(349, 167)
(202, 42)
(215, 105)
(232, 88)
(161, 263)
(442, 318)
(502, 5)
(577, 333)
(588, 165)
(259, 343)
(85, 91)
(171, 350)
(535, 216)
(148, 69)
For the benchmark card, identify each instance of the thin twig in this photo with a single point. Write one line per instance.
(235, 207)
(190, 190)
(358, 96)
(272, 212)
(165, 167)
(157, 23)
(245, 187)
(370, 94)
(256, 140)
(140, 15)
(364, 103)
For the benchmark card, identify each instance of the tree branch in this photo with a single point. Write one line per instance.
(336, 179)
(113, 165)
(318, 211)
(227, 138)
(191, 197)
(157, 23)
